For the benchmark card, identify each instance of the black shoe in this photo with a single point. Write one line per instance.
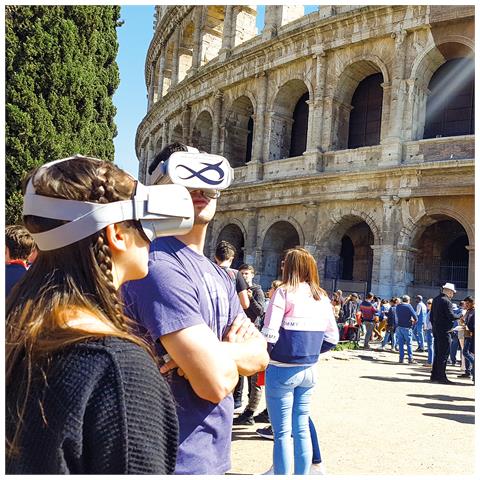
(464, 375)
(265, 432)
(245, 418)
(262, 417)
(446, 381)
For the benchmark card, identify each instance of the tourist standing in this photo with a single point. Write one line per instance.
(299, 322)
(406, 319)
(368, 313)
(469, 345)
(442, 319)
(191, 310)
(84, 394)
(421, 311)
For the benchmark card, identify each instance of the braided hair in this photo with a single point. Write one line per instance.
(76, 277)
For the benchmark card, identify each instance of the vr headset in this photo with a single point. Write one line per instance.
(161, 210)
(195, 171)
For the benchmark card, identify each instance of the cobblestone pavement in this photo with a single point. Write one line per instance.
(376, 416)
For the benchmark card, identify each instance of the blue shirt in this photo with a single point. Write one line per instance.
(183, 289)
(13, 274)
(405, 313)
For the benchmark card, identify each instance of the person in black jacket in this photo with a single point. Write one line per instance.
(255, 312)
(442, 318)
(84, 394)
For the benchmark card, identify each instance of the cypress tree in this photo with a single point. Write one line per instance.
(61, 74)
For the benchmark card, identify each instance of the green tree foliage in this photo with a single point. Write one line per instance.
(61, 73)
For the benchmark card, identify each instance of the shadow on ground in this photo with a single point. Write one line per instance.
(454, 416)
(442, 398)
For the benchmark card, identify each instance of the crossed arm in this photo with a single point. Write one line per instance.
(212, 366)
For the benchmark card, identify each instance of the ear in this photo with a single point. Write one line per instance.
(116, 238)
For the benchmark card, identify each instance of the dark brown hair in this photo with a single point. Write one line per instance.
(224, 251)
(77, 277)
(19, 242)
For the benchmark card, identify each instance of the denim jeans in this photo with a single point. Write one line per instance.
(454, 348)
(368, 335)
(429, 339)
(288, 392)
(404, 335)
(418, 332)
(390, 335)
(316, 455)
(469, 357)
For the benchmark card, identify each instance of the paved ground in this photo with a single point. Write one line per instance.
(376, 416)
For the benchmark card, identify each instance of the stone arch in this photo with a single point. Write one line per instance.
(239, 125)
(212, 32)
(410, 232)
(282, 117)
(347, 248)
(177, 134)
(437, 250)
(234, 232)
(279, 236)
(423, 68)
(202, 131)
(185, 52)
(352, 74)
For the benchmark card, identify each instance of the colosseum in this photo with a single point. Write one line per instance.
(350, 129)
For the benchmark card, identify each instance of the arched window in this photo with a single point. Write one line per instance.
(299, 128)
(450, 106)
(366, 115)
(248, 154)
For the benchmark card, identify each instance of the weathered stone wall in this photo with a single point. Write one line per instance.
(385, 197)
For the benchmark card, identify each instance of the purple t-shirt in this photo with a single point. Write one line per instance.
(183, 289)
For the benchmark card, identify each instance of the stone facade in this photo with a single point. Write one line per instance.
(392, 216)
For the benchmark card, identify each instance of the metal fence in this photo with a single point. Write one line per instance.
(438, 271)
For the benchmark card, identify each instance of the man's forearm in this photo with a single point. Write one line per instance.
(250, 356)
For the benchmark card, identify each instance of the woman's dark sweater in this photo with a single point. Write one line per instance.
(104, 408)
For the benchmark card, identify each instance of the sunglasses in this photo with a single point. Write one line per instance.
(211, 194)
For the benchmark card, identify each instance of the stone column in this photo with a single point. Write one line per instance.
(197, 38)
(161, 73)
(228, 33)
(471, 267)
(217, 120)
(398, 89)
(142, 164)
(151, 86)
(251, 240)
(186, 120)
(176, 47)
(402, 271)
(165, 133)
(259, 119)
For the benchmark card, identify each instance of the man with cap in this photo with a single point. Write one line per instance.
(191, 310)
(421, 311)
(442, 318)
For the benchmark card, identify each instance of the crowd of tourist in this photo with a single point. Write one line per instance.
(127, 349)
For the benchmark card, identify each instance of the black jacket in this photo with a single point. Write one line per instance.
(441, 315)
(255, 311)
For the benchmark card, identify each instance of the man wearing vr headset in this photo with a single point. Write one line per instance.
(190, 308)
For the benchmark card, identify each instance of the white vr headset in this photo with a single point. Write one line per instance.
(195, 171)
(161, 210)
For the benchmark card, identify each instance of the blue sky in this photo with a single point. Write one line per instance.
(134, 37)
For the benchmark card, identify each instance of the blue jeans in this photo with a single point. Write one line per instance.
(316, 455)
(418, 332)
(288, 391)
(454, 348)
(469, 357)
(429, 339)
(390, 335)
(404, 335)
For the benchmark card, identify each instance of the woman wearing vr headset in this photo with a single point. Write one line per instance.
(84, 394)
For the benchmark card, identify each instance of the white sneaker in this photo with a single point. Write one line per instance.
(269, 471)
(317, 469)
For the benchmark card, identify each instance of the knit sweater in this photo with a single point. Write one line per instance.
(104, 408)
